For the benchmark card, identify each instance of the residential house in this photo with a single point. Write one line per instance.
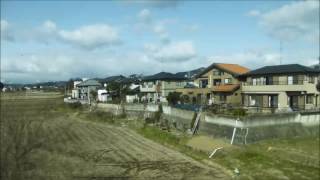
(132, 86)
(84, 88)
(281, 88)
(156, 88)
(103, 95)
(218, 84)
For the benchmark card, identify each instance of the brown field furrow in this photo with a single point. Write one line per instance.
(134, 148)
(124, 146)
(148, 144)
(91, 150)
(137, 140)
(106, 139)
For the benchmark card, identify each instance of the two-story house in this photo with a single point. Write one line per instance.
(218, 83)
(156, 88)
(84, 88)
(281, 88)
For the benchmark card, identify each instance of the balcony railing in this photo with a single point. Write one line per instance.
(265, 83)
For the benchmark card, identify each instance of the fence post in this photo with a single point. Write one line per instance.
(234, 131)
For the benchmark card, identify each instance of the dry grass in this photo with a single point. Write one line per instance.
(43, 139)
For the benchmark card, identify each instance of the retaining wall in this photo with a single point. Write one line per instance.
(249, 129)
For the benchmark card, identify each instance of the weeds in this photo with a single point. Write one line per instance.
(24, 131)
(101, 116)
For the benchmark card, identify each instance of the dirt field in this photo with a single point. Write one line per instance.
(73, 148)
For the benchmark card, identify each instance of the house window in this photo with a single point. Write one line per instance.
(293, 80)
(227, 81)
(311, 79)
(263, 81)
(216, 82)
(218, 73)
(255, 100)
(254, 81)
(273, 101)
(223, 98)
(310, 99)
(290, 80)
(203, 83)
(269, 80)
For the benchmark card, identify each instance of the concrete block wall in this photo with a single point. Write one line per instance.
(255, 128)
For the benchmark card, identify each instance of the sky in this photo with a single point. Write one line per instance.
(58, 40)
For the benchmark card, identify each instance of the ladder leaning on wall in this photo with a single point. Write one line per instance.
(196, 122)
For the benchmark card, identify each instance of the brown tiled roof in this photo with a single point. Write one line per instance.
(226, 88)
(233, 68)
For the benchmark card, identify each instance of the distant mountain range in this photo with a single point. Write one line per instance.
(118, 78)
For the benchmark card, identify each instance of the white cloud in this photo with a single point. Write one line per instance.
(91, 36)
(293, 21)
(5, 31)
(49, 26)
(146, 23)
(86, 37)
(4, 25)
(159, 28)
(174, 52)
(250, 59)
(145, 16)
(254, 13)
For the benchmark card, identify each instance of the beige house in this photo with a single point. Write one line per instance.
(281, 88)
(216, 84)
(156, 88)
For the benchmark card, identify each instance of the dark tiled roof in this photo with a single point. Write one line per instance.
(316, 66)
(90, 82)
(283, 69)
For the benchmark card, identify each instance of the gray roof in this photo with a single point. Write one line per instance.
(283, 69)
(90, 82)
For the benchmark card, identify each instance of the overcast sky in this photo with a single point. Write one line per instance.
(44, 41)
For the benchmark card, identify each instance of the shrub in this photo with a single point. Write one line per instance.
(185, 99)
(76, 105)
(123, 112)
(158, 135)
(239, 112)
(101, 116)
(173, 98)
(157, 115)
(94, 95)
(149, 121)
